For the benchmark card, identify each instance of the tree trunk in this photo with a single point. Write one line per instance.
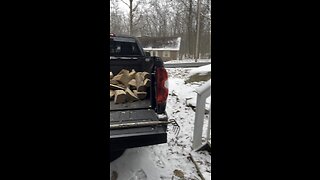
(131, 18)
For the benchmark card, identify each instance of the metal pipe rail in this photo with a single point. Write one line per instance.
(125, 125)
(203, 93)
(138, 124)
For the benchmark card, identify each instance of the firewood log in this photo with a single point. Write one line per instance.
(139, 82)
(117, 77)
(131, 96)
(147, 82)
(123, 71)
(112, 94)
(121, 85)
(145, 75)
(132, 73)
(129, 86)
(132, 84)
(112, 81)
(116, 87)
(119, 96)
(140, 95)
(111, 75)
(123, 77)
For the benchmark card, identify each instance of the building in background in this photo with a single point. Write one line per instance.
(167, 48)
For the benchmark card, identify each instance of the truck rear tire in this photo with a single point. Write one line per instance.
(115, 154)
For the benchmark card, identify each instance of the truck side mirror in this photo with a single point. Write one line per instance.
(148, 54)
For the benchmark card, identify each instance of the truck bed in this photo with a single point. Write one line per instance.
(132, 115)
(139, 65)
(144, 104)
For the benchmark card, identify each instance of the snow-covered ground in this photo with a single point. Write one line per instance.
(187, 61)
(170, 160)
(201, 70)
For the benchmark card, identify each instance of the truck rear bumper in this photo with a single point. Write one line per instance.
(125, 140)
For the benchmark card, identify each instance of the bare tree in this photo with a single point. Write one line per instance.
(132, 10)
(166, 18)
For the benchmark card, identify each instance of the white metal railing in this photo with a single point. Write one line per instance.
(203, 93)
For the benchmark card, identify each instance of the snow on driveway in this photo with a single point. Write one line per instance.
(170, 160)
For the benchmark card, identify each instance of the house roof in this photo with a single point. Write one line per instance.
(160, 43)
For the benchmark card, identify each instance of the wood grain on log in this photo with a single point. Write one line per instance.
(124, 77)
(139, 82)
(132, 84)
(116, 87)
(112, 81)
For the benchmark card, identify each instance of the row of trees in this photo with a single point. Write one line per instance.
(164, 18)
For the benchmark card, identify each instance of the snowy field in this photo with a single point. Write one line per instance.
(170, 160)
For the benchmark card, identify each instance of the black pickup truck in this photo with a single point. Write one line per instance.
(143, 122)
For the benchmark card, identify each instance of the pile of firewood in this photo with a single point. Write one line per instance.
(129, 86)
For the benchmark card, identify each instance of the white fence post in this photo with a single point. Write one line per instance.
(203, 93)
(209, 125)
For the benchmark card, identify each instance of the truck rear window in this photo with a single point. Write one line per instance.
(121, 48)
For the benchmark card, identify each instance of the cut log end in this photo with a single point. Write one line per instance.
(111, 75)
(147, 82)
(131, 96)
(140, 95)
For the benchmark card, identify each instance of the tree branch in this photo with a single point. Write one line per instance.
(135, 8)
(209, 18)
(125, 3)
(137, 21)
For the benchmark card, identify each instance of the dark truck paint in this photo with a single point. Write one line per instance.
(140, 123)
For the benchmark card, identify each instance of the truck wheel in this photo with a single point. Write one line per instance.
(115, 155)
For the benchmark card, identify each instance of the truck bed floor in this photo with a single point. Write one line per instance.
(144, 104)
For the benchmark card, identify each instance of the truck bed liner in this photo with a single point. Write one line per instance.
(144, 104)
(132, 115)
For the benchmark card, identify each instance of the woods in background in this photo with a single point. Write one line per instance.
(164, 18)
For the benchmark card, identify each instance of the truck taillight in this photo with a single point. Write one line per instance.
(162, 85)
